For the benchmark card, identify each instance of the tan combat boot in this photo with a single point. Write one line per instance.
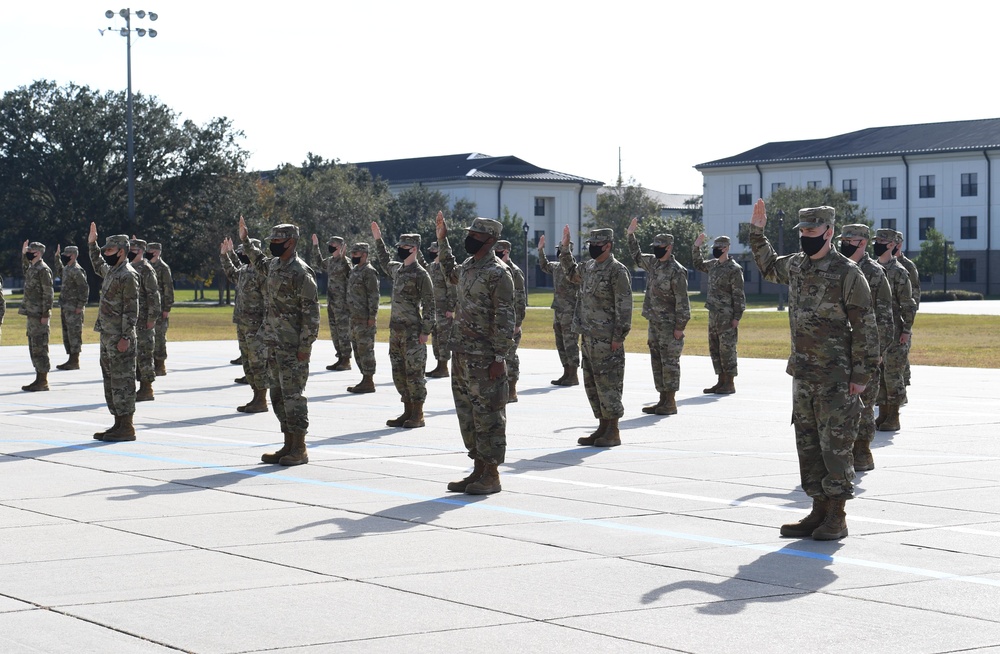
(511, 391)
(572, 379)
(711, 390)
(297, 454)
(669, 406)
(258, 404)
(653, 407)
(807, 525)
(275, 457)
(834, 526)
(342, 363)
(160, 367)
(891, 422)
(562, 380)
(864, 460)
(145, 393)
(728, 386)
(881, 415)
(416, 418)
(487, 484)
(477, 472)
(100, 435)
(589, 440)
(367, 385)
(399, 420)
(242, 380)
(611, 436)
(441, 370)
(41, 383)
(124, 432)
(238, 361)
(72, 364)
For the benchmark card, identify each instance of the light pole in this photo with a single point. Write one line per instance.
(944, 266)
(526, 271)
(130, 135)
(781, 251)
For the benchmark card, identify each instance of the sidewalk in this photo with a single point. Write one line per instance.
(182, 541)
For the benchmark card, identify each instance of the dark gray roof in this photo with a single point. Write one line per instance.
(465, 166)
(928, 138)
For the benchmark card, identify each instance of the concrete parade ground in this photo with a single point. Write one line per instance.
(183, 541)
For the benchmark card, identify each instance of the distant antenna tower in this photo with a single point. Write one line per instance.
(619, 165)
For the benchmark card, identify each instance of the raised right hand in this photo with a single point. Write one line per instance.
(759, 218)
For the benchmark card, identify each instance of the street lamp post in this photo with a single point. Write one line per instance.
(526, 271)
(781, 251)
(944, 265)
(129, 133)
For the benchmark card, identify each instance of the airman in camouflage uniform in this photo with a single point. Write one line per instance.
(116, 320)
(362, 301)
(338, 314)
(410, 324)
(668, 310)
(565, 294)
(290, 327)
(248, 315)
(149, 312)
(445, 299)
(726, 303)
(165, 284)
(502, 249)
(37, 307)
(72, 303)
(834, 353)
(854, 245)
(911, 269)
(3, 302)
(892, 392)
(484, 338)
(603, 320)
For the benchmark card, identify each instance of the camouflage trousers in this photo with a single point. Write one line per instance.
(118, 370)
(340, 328)
(72, 330)
(513, 361)
(603, 377)
(145, 341)
(722, 338)
(162, 325)
(826, 424)
(567, 340)
(363, 343)
(409, 364)
(665, 356)
(253, 351)
(866, 422)
(441, 339)
(480, 403)
(893, 387)
(286, 377)
(38, 343)
(906, 369)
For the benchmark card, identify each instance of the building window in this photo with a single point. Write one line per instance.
(927, 186)
(851, 188)
(925, 224)
(970, 184)
(776, 185)
(889, 223)
(969, 227)
(966, 270)
(746, 193)
(812, 184)
(539, 206)
(888, 188)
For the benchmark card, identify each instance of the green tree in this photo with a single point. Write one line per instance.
(513, 231)
(684, 230)
(693, 208)
(790, 200)
(931, 260)
(414, 211)
(616, 208)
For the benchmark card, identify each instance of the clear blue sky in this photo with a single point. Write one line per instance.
(561, 84)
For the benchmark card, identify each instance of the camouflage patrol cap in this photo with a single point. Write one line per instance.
(284, 231)
(486, 226)
(501, 246)
(855, 231)
(71, 249)
(138, 243)
(360, 247)
(662, 241)
(601, 236)
(899, 237)
(35, 246)
(253, 241)
(336, 240)
(816, 217)
(887, 235)
(116, 241)
(433, 247)
(238, 249)
(722, 241)
(153, 247)
(408, 240)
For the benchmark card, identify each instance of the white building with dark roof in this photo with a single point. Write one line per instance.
(909, 177)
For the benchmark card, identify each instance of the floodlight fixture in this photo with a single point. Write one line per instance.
(153, 15)
(152, 34)
(140, 31)
(140, 13)
(109, 14)
(123, 13)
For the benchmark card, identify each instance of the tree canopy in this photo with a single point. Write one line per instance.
(931, 260)
(790, 200)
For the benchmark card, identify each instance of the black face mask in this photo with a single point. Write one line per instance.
(431, 256)
(331, 248)
(596, 250)
(111, 259)
(812, 244)
(243, 258)
(472, 245)
(30, 255)
(278, 249)
(66, 259)
(880, 249)
(356, 261)
(501, 254)
(134, 256)
(659, 251)
(848, 249)
(716, 253)
(150, 255)
(402, 253)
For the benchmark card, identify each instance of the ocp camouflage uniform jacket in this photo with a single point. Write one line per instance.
(38, 294)
(119, 309)
(338, 269)
(291, 301)
(3, 302)
(484, 315)
(911, 269)
(604, 311)
(520, 295)
(881, 299)
(666, 299)
(726, 296)
(412, 293)
(149, 293)
(165, 283)
(904, 307)
(565, 292)
(834, 337)
(362, 293)
(75, 291)
(445, 294)
(248, 310)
